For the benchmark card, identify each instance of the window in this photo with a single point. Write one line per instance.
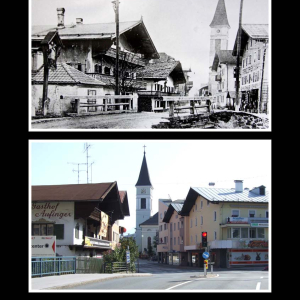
(42, 229)
(174, 241)
(201, 205)
(92, 101)
(161, 215)
(178, 225)
(215, 235)
(165, 240)
(59, 231)
(191, 223)
(77, 231)
(244, 233)
(252, 233)
(176, 217)
(235, 213)
(267, 214)
(196, 206)
(191, 239)
(201, 220)
(143, 203)
(207, 203)
(251, 213)
(195, 221)
(235, 233)
(178, 240)
(106, 71)
(215, 216)
(260, 233)
(258, 54)
(160, 228)
(196, 239)
(174, 226)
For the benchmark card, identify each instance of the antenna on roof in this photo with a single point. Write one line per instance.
(78, 168)
(86, 149)
(169, 197)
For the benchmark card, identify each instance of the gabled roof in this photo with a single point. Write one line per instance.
(71, 192)
(144, 177)
(221, 195)
(174, 206)
(254, 31)
(161, 70)
(134, 35)
(223, 57)
(220, 17)
(151, 221)
(65, 74)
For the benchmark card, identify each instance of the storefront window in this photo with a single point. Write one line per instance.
(260, 233)
(252, 233)
(235, 233)
(244, 233)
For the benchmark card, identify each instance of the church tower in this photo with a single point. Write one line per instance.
(143, 201)
(219, 34)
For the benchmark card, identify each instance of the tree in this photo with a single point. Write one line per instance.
(129, 65)
(119, 253)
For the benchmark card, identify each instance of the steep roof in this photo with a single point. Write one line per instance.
(144, 177)
(222, 195)
(65, 74)
(254, 31)
(151, 221)
(220, 17)
(161, 70)
(134, 35)
(223, 57)
(174, 206)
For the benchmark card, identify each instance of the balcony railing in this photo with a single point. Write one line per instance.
(254, 243)
(156, 94)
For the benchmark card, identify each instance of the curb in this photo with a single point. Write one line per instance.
(83, 282)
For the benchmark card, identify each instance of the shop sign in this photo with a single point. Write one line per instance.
(104, 224)
(249, 257)
(43, 246)
(206, 263)
(92, 242)
(259, 224)
(238, 220)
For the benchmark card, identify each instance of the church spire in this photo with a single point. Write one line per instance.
(144, 177)
(220, 17)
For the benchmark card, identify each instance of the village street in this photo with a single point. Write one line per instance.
(143, 120)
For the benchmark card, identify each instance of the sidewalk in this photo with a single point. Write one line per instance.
(69, 280)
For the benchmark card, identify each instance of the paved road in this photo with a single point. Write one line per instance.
(167, 278)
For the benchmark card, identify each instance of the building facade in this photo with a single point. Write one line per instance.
(254, 89)
(83, 217)
(236, 221)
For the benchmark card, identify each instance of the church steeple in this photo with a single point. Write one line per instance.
(144, 177)
(220, 17)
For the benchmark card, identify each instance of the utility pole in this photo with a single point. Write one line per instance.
(92, 172)
(116, 9)
(237, 104)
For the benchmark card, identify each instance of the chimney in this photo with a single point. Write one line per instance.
(60, 18)
(79, 21)
(238, 186)
(211, 184)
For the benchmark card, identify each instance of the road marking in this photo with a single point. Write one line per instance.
(178, 285)
(258, 286)
(261, 277)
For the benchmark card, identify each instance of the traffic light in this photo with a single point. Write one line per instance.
(234, 73)
(204, 239)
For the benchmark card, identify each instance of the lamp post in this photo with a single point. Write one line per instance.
(116, 9)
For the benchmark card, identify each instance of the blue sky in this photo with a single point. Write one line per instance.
(174, 165)
(179, 28)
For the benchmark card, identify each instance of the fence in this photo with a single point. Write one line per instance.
(116, 267)
(126, 103)
(45, 266)
(89, 265)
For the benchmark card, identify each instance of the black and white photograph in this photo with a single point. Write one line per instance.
(150, 65)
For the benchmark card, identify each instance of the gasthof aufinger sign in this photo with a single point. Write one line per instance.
(43, 246)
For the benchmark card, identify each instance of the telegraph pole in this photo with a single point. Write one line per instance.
(237, 104)
(116, 9)
(86, 148)
(78, 168)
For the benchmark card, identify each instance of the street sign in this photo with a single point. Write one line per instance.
(205, 255)
(206, 263)
(43, 246)
(127, 257)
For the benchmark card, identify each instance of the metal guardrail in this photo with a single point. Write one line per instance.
(46, 266)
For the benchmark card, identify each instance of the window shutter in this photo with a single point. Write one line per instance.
(59, 231)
